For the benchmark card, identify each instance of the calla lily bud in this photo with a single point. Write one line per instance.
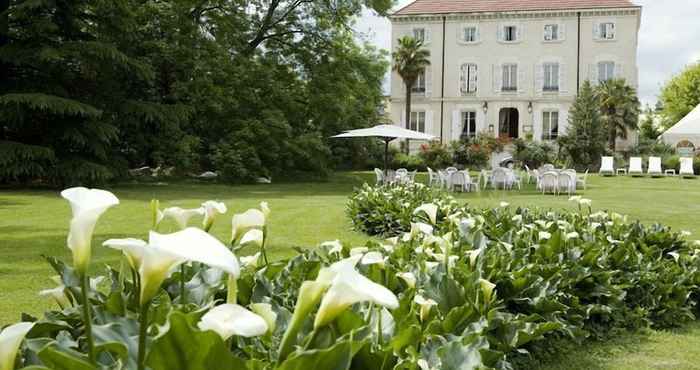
(487, 288)
(254, 237)
(228, 320)
(10, 341)
(425, 305)
(430, 210)
(265, 311)
(409, 278)
(58, 294)
(87, 206)
(156, 214)
(347, 287)
(181, 216)
(242, 222)
(211, 209)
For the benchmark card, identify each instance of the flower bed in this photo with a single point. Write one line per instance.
(461, 289)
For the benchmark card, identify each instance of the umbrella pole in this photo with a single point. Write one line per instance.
(386, 156)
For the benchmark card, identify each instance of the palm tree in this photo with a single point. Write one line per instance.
(410, 60)
(619, 106)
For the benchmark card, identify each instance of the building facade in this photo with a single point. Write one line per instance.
(511, 68)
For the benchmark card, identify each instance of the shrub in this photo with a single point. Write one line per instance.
(408, 161)
(435, 155)
(672, 162)
(533, 154)
(649, 147)
(472, 154)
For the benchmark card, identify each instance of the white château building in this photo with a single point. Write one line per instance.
(511, 67)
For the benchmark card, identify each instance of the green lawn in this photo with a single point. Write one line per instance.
(35, 222)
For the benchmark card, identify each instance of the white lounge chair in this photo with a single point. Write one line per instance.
(582, 179)
(606, 166)
(654, 166)
(686, 167)
(635, 166)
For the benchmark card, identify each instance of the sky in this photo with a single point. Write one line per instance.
(669, 39)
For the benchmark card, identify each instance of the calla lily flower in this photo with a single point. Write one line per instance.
(487, 288)
(425, 305)
(242, 222)
(585, 202)
(10, 341)
(87, 206)
(543, 235)
(211, 209)
(358, 251)
(265, 311)
(58, 294)
(335, 246)
(251, 261)
(465, 225)
(430, 210)
(347, 287)
(181, 216)
(572, 235)
(504, 204)
(409, 278)
(373, 258)
(418, 228)
(164, 252)
(253, 236)
(575, 198)
(229, 319)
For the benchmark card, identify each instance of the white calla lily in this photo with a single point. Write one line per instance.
(430, 210)
(504, 204)
(242, 222)
(409, 278)
(210, 209)
(334, 246)
(251, 261)
(181, 216)
(418, 228)
(373, 258)
(346, 286)
(487, 289)
(265, 311)
(425, 305)
(465, 225)
(254, 237)
(358, 251)
(58, 294)
(571, 235)
(87, 206)
(164, 252)
(585, 202)
(132, 249)
(543, 235)
(229, 319)
(10, 341)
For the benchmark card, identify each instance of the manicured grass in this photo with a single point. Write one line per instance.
(35, 222)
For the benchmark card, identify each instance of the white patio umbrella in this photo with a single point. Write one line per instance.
(387, 133)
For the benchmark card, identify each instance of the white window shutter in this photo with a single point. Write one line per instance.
(428, 81)
(427, 35)
(521, 77)
(499, 33)
(562, 31)
(612, 30)
(596, 31)
(539, 78)
(619, 71)
(497, 77)
(403, 117)
(461, 32)
(456, 124)
(519, 32)
(563, 79)
(429, 122)
(545, 32)
(477, 37)
(463, 79)
(473, 79)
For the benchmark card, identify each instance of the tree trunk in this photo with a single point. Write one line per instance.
(612, 136)
(408, 113)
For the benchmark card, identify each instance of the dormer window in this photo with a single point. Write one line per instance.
(510, 33)
(551, 32)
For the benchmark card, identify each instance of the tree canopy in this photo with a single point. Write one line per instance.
(249, 88)
(680, 95)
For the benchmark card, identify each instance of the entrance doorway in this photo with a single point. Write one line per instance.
(508, 123)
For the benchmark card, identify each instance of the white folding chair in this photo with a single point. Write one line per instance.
(686, 167)
(606, 166)
(635, 166)
(654, 166)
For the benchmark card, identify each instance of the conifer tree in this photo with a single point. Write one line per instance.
(585, 139)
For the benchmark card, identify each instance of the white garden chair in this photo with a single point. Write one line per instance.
(433, 178)
(444, 179)
(686, 167)
(606, 166)
(412, 176)
(654, 166)
(537, 176)
(500, 177)
(582, 180)
(528, 173)
(462, 181)
(547, 167)
(486, 178)
(549, 182)
(635, 166)
(380, 176)
(566, 182)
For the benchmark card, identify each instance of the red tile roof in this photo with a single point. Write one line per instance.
(478, 6)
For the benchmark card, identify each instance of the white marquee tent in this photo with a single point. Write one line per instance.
(687, 129)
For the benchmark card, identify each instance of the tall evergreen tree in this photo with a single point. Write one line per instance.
(619, 106)
(585, 138)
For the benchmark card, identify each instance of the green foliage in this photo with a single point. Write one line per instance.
(648, 128)
(435, 155)
(532, 153)
(681, 95)
(411, 162)
(619, 108)
(184, 84)
(651, 147)
(584, 141)
(475, 153)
